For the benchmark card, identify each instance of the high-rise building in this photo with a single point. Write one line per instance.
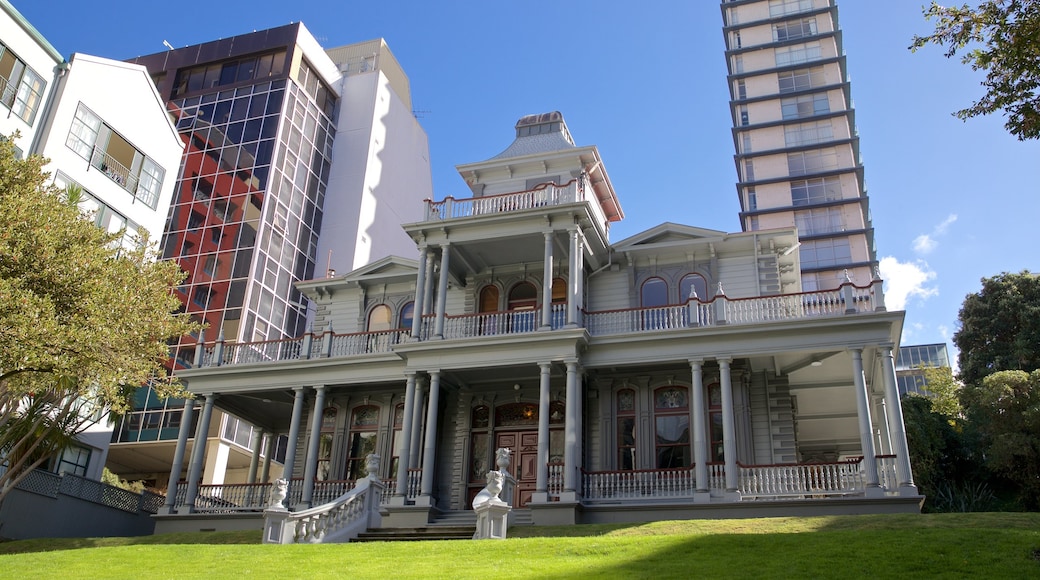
(296, 162)
(797, 150)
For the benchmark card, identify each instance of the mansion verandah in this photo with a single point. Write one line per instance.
(680, 371)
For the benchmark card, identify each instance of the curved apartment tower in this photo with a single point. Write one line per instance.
(794, 132)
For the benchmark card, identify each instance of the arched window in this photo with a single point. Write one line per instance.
(697, 283)
(523, 296)
(626, 429)
(488, 299)
(379, 318)
(672, 427)
(407, 312)
(653, 293)
(364, 424)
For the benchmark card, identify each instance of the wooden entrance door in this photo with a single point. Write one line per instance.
(524, 462)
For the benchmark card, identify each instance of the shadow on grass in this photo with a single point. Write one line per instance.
(56, 544)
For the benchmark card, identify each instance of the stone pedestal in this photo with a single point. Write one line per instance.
(492, 520)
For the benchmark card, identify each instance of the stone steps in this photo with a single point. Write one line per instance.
(442, 532)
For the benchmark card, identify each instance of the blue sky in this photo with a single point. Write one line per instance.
(645, 82)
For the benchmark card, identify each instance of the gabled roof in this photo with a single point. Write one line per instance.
(389, 267)
(667, 232)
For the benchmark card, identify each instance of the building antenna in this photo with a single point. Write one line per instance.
(167, 44)
(329, 272)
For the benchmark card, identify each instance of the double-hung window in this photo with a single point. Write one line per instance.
(21, 89)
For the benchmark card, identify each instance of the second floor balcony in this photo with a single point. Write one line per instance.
(695, 314)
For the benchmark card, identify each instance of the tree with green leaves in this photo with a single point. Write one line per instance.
(999, 327)
(1004, 410)
(83, 321)
(999, 37)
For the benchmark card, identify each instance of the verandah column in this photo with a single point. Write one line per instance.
(404, 456)
(572, 279)
(729, 431)
(294, 438)
(895, 423)
(442, 291)
(700, 443)
(272, 442)
(198, 453)
(541, 486)
(256, 441)
(547, 273)
(430, 447)
(413, 444)
(570, 437)
(866, 430)
(310, 469)
(178, 456)
(420, 293)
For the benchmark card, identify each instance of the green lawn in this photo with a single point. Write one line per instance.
(991, 545)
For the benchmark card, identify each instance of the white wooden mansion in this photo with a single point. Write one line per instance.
(678, 373)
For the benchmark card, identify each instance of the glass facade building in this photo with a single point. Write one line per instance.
(911, 363)
(258, 127)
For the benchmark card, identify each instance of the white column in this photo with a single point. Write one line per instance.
(413, 443)
(254, 461)
(570, 443)
(547, 275)
(195, 471)
(884, 434)
(310, 468)
(580, 272)
(428, 289)
(866, 430)
(541, 485)
(572, 280)
(294, 436)
(700, 442)
(272, 442)
(430, 448)
(178, 455)
(442, 290)
(420, 293)
(404, 459)
(729, 431)
(895, 422)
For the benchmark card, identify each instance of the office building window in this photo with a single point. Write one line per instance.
(798, 54)
(825, 253)
(794, 29)
(808, 133)
(804, 106)
(741, 89)
(809, 162)
(817, 221)
(813, 191)
(801, 80)
(785, 7)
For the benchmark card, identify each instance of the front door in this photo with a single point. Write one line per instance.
(523, 462)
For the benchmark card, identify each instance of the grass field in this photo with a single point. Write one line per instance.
(988, 545)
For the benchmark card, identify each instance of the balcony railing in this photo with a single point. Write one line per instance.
(115, 170)
(808, 480)
(255, 497)
(720, 310)
(575, 190)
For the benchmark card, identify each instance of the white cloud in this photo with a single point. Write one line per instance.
(946, 223)
(944, 332)
(906, 280)
(926, 243)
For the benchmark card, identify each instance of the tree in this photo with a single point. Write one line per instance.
(943, 390)
(83, 321)
(1000, 327)
(1000, 38)
(1005, 411)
